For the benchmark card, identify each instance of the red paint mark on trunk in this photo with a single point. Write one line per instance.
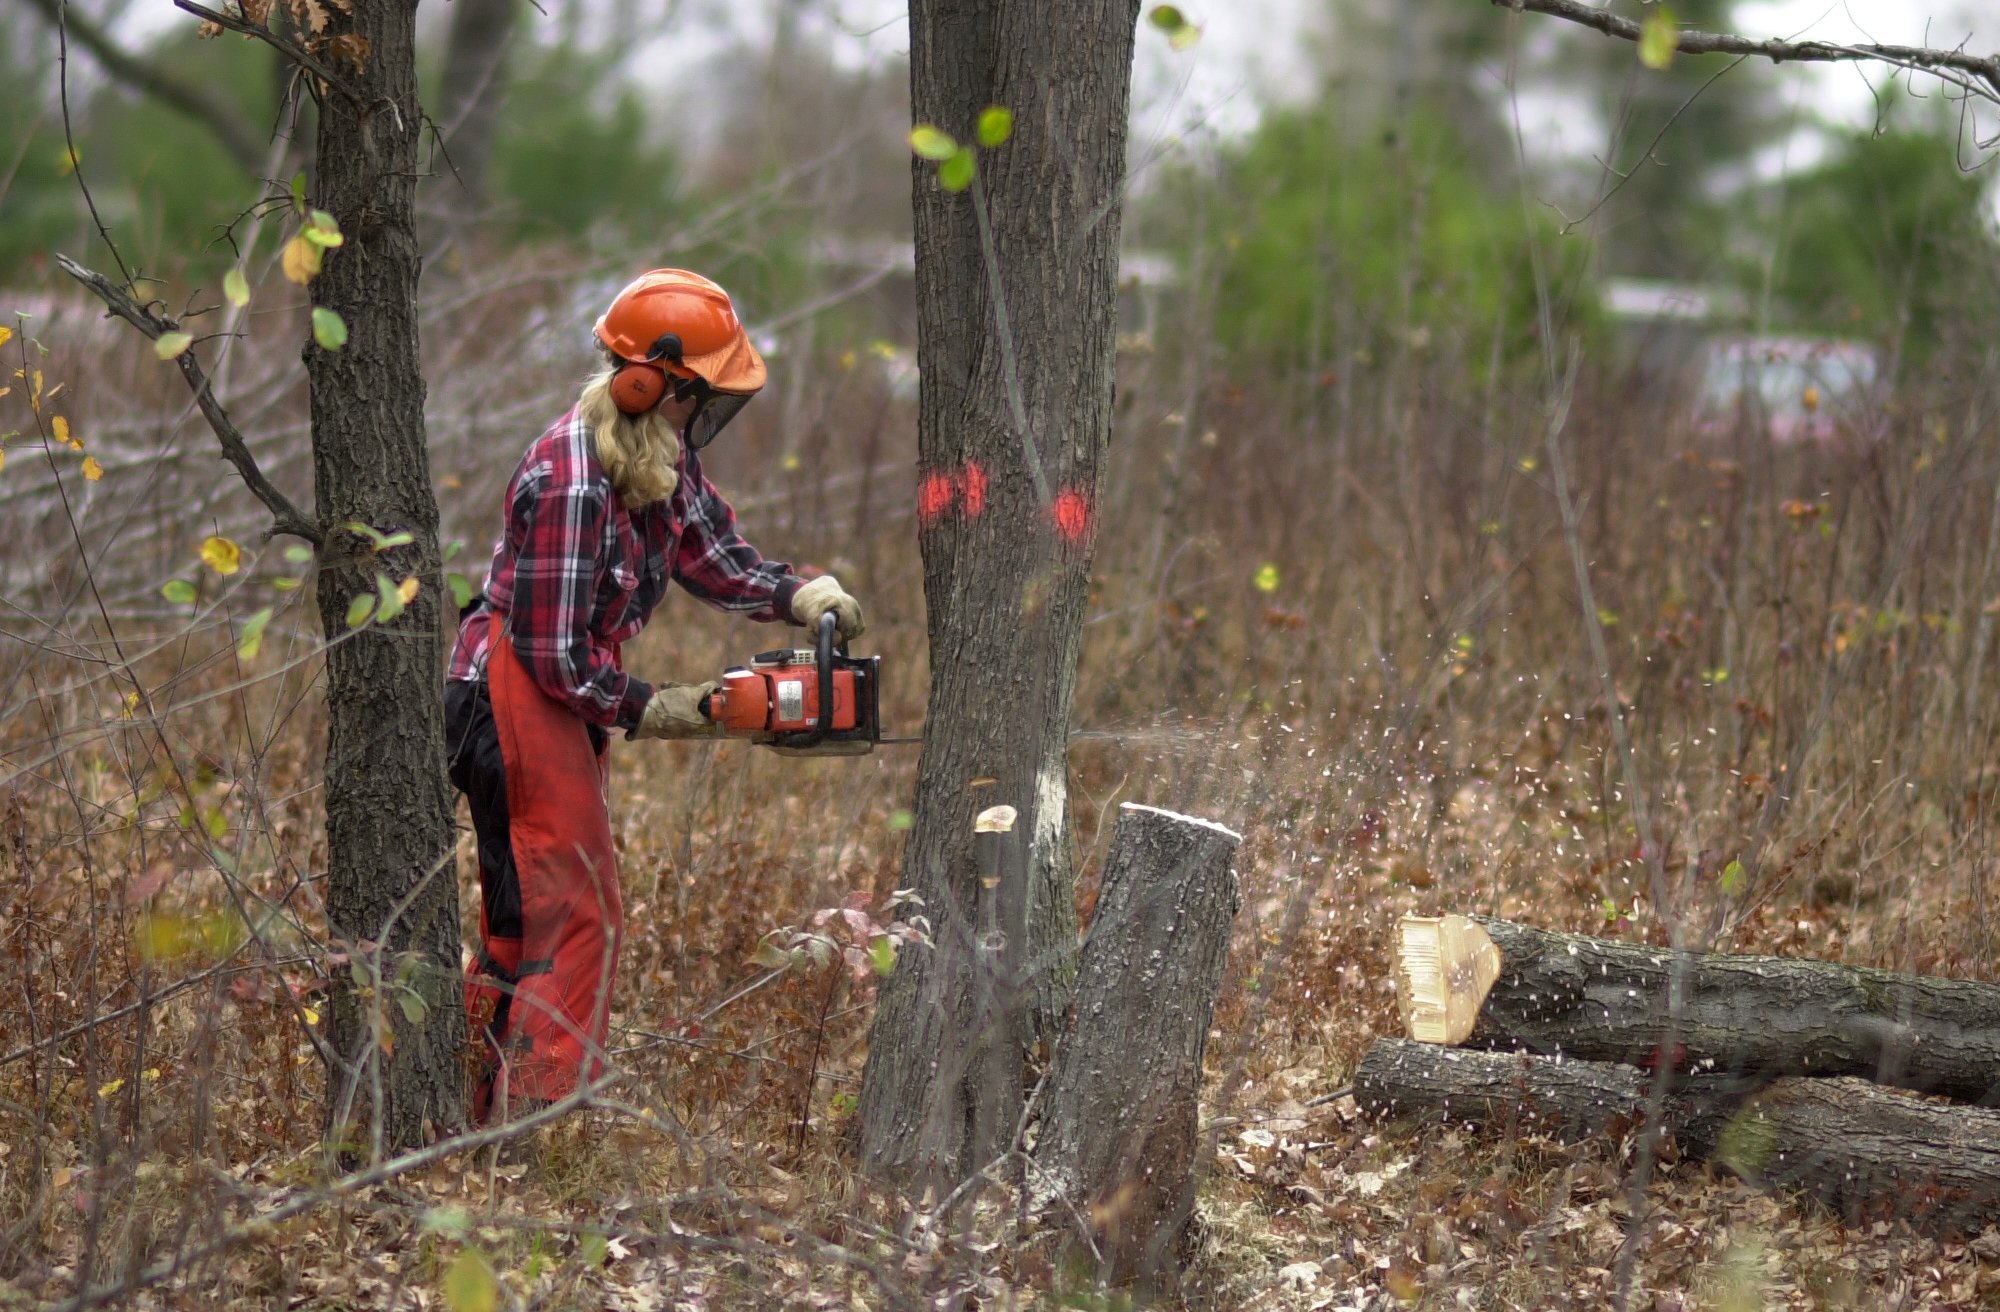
(934, 496)
(974, 483)
(1072, 514)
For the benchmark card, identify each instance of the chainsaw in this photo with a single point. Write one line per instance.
(816, 701)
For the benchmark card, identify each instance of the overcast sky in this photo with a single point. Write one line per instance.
(1255, 53)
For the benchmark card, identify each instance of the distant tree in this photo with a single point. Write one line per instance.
(1887, 237)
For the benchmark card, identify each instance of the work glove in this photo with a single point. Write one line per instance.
(675, 712)
(825, 594)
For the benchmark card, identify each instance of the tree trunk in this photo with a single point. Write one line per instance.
(475, 84)
(390, 879)
(1864, 1151)
(1006, 526)
(1756, 1017)
(1120, 1123)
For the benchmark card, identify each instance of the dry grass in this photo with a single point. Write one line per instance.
(1406, 719)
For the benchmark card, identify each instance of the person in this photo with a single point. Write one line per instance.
(605, 508)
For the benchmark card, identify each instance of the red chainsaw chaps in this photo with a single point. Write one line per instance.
(572, 921)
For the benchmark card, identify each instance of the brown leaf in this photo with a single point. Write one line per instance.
(354, 49)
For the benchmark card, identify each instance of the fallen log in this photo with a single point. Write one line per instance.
(1119, 1130)
(1751, 1017)
(1867, 1153)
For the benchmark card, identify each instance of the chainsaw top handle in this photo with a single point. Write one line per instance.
(829, 628)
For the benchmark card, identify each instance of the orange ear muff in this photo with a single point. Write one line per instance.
(637, 388)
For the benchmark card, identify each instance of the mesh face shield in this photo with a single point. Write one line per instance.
(712, 413)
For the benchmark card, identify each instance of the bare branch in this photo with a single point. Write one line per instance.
(285, 517)
(196, 101)
(1986, 68)
(284, 45)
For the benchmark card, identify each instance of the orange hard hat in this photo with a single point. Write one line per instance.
(683, 324)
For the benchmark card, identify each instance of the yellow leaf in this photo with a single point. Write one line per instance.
(35, 393)
(91, 469)
(6, 336)
(169, 346)
(301, 261)
(236, 288)
(60, 426)
(131, 706)
(312, 1016)
(931, 143)
(1659, 37)
(1266, 579)
(61, 1177)
(407, 589)
(105, 1091)
(222, 555)
(468, 1285)
(3, 459)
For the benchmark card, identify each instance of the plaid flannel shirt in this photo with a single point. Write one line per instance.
(575, 574)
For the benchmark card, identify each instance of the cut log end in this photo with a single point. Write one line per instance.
(1445, 966)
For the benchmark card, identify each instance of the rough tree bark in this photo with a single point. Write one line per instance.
(388, 806)
(1120, 1124)
(1759, 1017)
(1006, 528)
(1863, 1151)
(475, 84)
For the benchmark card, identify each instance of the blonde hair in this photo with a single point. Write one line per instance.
(638, 452)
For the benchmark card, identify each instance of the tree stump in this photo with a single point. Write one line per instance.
(1864, 1151)
(1119, 1129)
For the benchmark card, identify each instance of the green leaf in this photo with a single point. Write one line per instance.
(1659, 37)
(299, 191)
(1184, 36)
(445, 1221)
(253, 633)
(900, 820)
(1166, 18)
(179, 591)
(996, 124)
(170, 346)
(592, 1249)
(770, 956)
(468, 1285)
(413, 1005)
(217, 825)
(298, 555)
(462, 590)
(286, 585)
(392, 599)
(932, 143)
(236, 288)
(399, 538)
(882, 954)
(322, 230)
(1732, 875)
(955, 174)
(360, 609)
(329, 329)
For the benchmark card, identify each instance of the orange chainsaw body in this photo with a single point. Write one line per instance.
(781, 699)
(803, 702)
